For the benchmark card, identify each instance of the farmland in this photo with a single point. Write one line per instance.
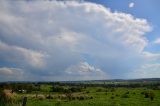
(87, 93)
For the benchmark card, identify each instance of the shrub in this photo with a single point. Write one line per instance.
(127, 92)
(134, 93)
(125, 96)
(73, 98)
(7, 97)
(149, 94)
(75, 89)
(2, 98)
(40, 97)
(113, 90)
(58, 103)
(49, 97)
(58, 89)
(142, 92)
(91, 97)
(81, 98)
(66, 90)
(112, 97)
(99, 90)
(117, 95)
(87, 92)
(146, 95)
(62, 97)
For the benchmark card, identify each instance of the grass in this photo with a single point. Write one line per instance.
(97, 96)
(104, 97)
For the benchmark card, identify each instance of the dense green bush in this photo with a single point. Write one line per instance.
(2, 98)
(65, 90)
(112, 97)
(76, 89)
(125, 95)
(149, 94)
(58, 89)
(99, 90)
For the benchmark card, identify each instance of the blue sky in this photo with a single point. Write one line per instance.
(141, 9)
(79, 40)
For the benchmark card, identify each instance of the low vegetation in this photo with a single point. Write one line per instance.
(81, 94)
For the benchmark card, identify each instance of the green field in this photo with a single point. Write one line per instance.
(67, 95)
(105, 98)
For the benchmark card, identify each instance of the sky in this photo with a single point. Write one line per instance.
(49, 40)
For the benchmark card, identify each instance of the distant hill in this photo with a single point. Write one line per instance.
(109, 80)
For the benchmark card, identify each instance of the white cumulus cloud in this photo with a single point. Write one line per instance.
(20, 55)
(82, 67)
(85, 71)
(8, 73)
(46, 38)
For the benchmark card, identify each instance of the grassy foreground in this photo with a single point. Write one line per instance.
(67, 95)
(119, 97)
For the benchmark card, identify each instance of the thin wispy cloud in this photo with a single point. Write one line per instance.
(157, 41)
(131, 5)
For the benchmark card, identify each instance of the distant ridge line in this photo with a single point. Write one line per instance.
(78, 81)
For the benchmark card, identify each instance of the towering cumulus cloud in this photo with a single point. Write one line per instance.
(57, 40)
